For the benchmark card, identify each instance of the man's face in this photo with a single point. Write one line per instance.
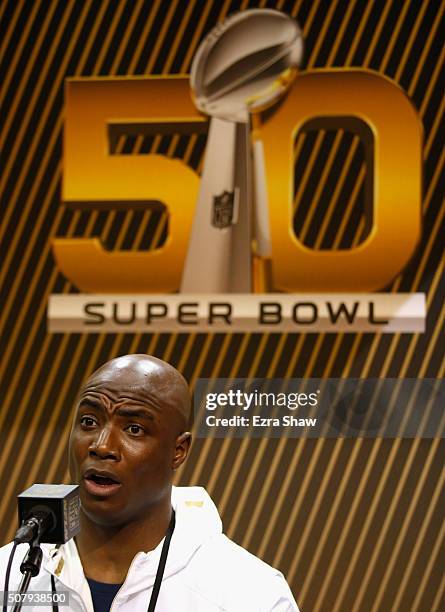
(124, 447)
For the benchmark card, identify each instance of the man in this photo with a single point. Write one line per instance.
(143, 544)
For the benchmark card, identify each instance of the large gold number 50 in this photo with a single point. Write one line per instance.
(357, 99)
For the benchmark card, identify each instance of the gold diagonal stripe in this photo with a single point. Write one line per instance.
(425, 50)
(320, 185)
(284, 493)
(361, 27)
(295, 8)
(307, 479)
(189, 349)
(202, 359)
(433, 557)
(334, 199)
(432, 82)
(276, 356)
(162, 33)
(198, 31)
(270, 476)
(319, 605)
(350, 206)
(23, 39)
(333, 510)
(11, 24)
(110, 34)
(29, 200)
(434, 128)
(294, 357)
(179, 35)
(432, 345)
(25, 123)
(143, 37)
(249, 483)
(24, 306)
(321, 37)
(125, 38)
(39, 128)
(310, 520)
(394, 36)
(410, 41)
(406, 524)
(333, 356)
(369, 516)
(309, 166)
(433, 181)
(343, 25)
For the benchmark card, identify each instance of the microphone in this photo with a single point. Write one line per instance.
(48, 513)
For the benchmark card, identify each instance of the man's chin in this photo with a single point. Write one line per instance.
(103, 511)
(103, 517)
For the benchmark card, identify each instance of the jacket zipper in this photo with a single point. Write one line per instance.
(123, 584)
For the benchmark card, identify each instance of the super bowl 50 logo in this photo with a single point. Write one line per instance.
(231, 261)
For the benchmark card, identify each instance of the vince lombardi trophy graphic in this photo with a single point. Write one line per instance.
(244, 64)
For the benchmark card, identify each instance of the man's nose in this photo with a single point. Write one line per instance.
(105, 444)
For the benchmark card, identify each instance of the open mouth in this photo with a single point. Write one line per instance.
(101, 480)
(99, 485)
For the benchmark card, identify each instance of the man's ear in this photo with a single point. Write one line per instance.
(182, 447)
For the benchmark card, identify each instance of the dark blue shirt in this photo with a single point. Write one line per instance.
(102, 594)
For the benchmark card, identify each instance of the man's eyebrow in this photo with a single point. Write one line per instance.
(135, 412)
(92, 403)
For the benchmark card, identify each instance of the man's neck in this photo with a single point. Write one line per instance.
(107, 552)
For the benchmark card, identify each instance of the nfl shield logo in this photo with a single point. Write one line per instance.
(223, 210)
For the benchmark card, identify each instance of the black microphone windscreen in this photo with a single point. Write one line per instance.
(63, 503)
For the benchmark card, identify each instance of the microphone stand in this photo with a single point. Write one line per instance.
(29, 567)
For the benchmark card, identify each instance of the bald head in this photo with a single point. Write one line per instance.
(161, 385)
(131, 420)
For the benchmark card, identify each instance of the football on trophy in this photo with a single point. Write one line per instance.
(246, 62)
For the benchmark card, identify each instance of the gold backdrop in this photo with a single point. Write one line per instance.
(354, 525)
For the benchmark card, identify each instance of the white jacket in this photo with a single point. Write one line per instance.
(205, 571)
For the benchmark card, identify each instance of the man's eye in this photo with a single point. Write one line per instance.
(87, 421)
(136, 430)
